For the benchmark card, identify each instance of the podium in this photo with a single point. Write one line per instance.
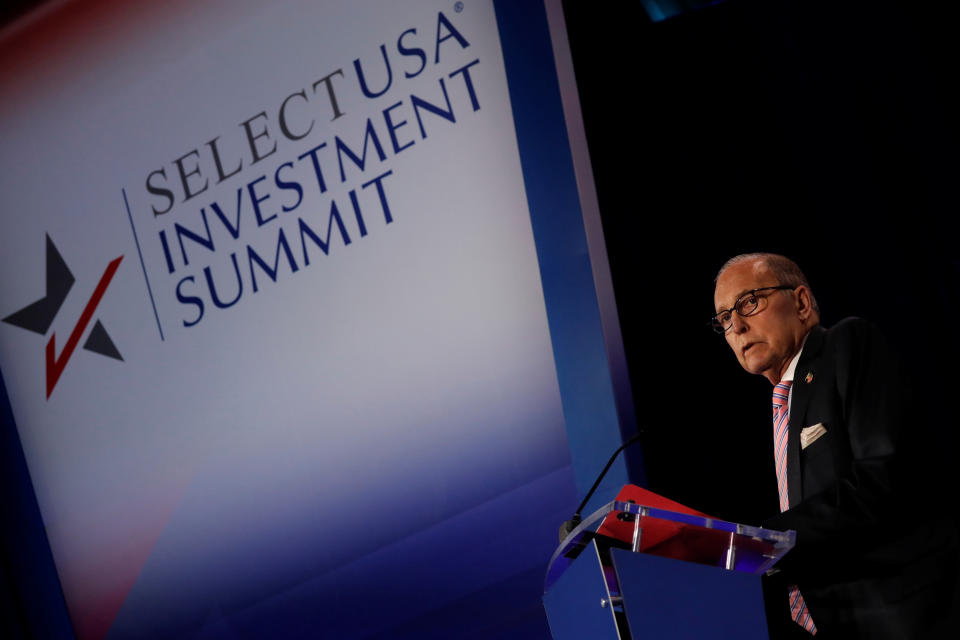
(644, 566)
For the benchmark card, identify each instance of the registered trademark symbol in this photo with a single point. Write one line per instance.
(458, 6)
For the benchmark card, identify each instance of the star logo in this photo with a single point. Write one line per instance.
(38, 316)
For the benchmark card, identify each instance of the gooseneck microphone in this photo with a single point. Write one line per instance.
(571, 524)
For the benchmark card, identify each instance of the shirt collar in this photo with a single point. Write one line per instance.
(788, 374)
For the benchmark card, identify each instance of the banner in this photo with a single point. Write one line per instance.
(275, 335)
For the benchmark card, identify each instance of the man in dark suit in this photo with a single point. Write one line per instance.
(846, 465)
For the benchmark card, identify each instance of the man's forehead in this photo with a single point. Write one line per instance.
(738, 279)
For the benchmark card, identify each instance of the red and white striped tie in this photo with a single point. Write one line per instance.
(781, 429)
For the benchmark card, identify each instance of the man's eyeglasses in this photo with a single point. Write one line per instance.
(746, 305)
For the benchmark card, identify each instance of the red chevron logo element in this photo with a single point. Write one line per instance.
(56, 364)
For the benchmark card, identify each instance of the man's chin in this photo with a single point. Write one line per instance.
(754, 366)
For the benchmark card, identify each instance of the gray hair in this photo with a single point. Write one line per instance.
(784, 269)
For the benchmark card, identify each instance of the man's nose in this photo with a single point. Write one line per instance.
(738, 324)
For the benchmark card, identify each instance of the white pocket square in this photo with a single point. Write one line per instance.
(809, 435)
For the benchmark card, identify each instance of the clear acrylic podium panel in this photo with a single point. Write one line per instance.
(681, 536)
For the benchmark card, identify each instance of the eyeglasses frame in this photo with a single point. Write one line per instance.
(714, 322)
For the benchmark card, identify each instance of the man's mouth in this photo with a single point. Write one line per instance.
(747, 347)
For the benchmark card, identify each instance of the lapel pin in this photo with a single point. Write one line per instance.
(809, 378)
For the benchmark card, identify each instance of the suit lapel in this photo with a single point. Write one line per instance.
(802, 389)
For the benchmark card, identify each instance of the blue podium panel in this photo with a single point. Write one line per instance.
(666, 598)
(574, 603)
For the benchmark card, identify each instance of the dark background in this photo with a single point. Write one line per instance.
(825, 131)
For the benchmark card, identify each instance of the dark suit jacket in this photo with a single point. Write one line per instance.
(874, 557)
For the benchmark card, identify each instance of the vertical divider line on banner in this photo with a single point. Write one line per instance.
(143, 266)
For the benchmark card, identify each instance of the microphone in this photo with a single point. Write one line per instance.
(571, 524)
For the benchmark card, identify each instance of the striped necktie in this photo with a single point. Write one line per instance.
(781, 429)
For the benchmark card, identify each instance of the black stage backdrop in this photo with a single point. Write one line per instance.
(825, 131)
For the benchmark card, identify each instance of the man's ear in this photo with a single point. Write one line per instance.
(804, 303)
